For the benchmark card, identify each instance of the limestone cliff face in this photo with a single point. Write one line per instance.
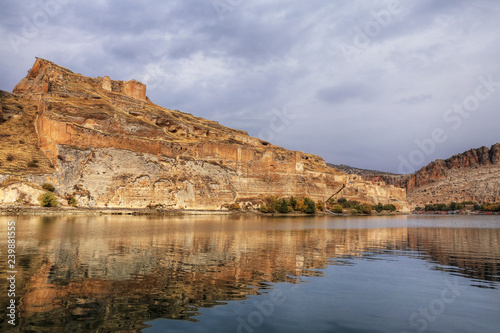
(104, 142)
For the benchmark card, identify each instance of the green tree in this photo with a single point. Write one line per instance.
(390, 207)
(453, 206)
(337, 209)
(310, 206)
(366, 209)
(293, 202)
(283, 206)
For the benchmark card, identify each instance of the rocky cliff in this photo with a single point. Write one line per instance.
(104, 142)
(471, 176)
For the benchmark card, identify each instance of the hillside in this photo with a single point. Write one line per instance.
(106, 144)
(470, 176)
(362, 172)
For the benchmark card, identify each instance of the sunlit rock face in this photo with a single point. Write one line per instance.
(104, 142)
(471, 176)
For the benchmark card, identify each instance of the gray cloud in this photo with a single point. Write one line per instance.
(258, 57)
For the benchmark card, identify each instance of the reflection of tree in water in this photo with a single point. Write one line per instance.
(77, 280)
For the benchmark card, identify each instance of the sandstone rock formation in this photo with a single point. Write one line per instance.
(105, 143)
(471, 176)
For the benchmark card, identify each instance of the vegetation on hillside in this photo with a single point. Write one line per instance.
(48, 200)
(465, 205)
(274, 204)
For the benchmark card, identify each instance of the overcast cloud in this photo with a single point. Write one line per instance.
(370, 84)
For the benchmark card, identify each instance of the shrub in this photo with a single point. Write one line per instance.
(366, 209)
(342, 200)
(23, 199)
(310, 206)
(337, 209)
(266, 209)
(48, 200)
(48, 187)
(10, 157)
(320, 205)
(379, 208)
(234, 206)
(390, 207)
(270, 205)
(293, 203)
(72, 201)
(358, 207)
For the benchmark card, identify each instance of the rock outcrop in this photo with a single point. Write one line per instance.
(439, 169)
(105, 143)
(471, 176)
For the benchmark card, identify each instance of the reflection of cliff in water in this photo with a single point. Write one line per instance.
(116, 273)
(460, 250)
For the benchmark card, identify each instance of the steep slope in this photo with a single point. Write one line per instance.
(18, 138)
(107, 144)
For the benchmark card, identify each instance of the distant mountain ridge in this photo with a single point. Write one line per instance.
(359, 171)
(470, 176)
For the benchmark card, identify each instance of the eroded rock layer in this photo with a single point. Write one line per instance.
(471, 176)
(107, 144)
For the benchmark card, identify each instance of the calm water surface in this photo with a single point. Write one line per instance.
(254, 274)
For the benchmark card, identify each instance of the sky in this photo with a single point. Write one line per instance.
(389, 85)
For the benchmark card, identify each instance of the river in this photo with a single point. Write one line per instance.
(252, 274)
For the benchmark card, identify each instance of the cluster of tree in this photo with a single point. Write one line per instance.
(452, 206)
(355, 207)
(274, 204)
(488, 207)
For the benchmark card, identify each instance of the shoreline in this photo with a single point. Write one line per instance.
(98, 211)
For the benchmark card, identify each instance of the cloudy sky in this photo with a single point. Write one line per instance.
(387, 85)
